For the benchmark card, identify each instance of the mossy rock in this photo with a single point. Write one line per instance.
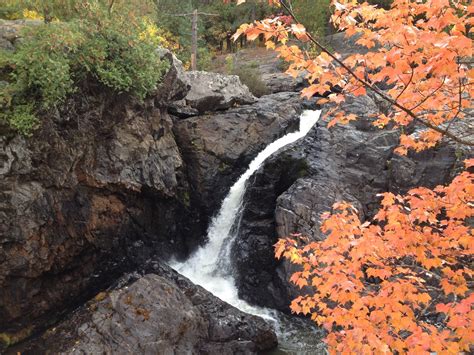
(8, 339)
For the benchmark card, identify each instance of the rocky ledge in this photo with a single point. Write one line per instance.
(155, 311)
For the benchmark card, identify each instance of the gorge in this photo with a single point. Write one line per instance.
(110, 189)
(210, 266)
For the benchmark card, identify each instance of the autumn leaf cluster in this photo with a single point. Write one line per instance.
(397, 284)
(401, 283)
(418, 51)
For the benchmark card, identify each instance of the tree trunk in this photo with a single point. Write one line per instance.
(229, 43)
(194, 40)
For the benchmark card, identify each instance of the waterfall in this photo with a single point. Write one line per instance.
(209, 266)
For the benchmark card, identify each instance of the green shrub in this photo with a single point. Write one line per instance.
(204, 59)
(52, 59)
(42, 64)
(248, 74)
(22, 119)
(229, 64)
(282, 65)
(251, 77)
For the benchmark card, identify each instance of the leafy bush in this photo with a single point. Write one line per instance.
(248, 74)
(251, 77)
(52, 59)
(22, 119)
(42, 64)
(204, 59)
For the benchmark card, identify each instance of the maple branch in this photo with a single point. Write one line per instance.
(429, 95)
(421, 270)
(406, 85)
(428, 306)
(373, 88)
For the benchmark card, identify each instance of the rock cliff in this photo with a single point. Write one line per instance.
(109, 183)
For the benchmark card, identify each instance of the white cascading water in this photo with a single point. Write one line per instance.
(209, 266)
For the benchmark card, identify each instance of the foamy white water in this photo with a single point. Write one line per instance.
(209, 266)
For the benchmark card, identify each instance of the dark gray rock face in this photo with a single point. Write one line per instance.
(217, 148)
(213, 91)
(354, 162)
(97, 188)
(281, 82)
(10, 32)
(158, 313)
(92, 186)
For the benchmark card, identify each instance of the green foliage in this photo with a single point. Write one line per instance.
(314, 14)
(253, 79)
(282, 65)
(229, 64)
(66, 10)
(53, 59)
(42, 65)
(21, 118)
(248, 74)
(214, 30)
(204, 59)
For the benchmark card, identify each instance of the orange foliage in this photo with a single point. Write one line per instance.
(376, 286)
(403, 282)
(420, 48)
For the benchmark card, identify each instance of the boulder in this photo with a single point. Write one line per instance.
(352, 162)
(160, 312)
(175, 84)
(282, 82)
(213, 91)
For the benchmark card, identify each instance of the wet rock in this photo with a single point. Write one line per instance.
(160, 312)
(213, 91)
(218, 147)
(353, 162)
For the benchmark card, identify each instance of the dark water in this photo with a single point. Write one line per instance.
(297, 336)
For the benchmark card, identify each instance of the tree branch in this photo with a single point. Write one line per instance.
(375, 89)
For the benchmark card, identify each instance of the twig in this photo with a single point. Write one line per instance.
(373, 88)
